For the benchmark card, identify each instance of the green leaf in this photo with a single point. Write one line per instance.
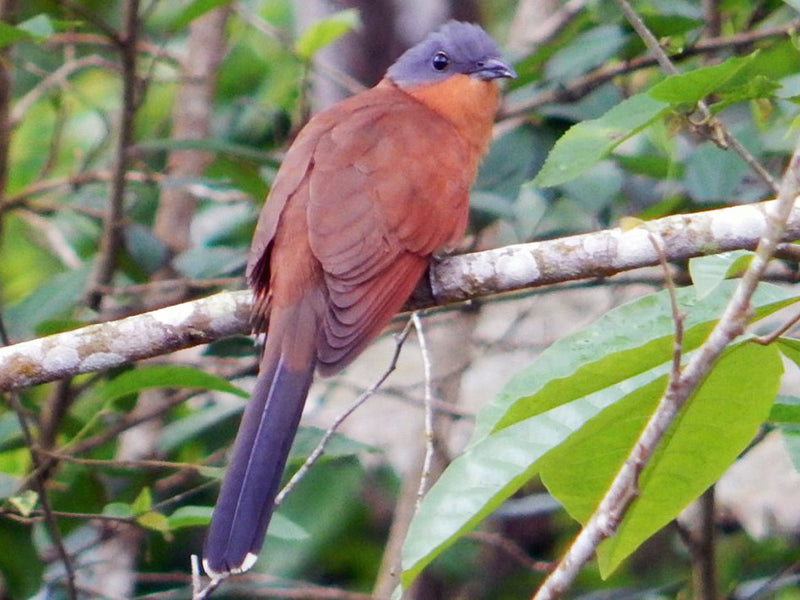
(657, 167)
(671, 24)
(8, 485)
(163, 376)
(791, 439)
(190, 516)
(154, 521)
(586, 51)
(194, 10)
(25, 502)
(594, 455)
(20, 564)
(529, 209)
(338, 446)
(53, 299)
(707, 272)
(39, 27)
(201, 262)
(120, 510)
(691, 87)
(178, 432)
(795, 4)
(585, 144)
(283, 528)
(718, 423)
(568, 385)
(34, 29)
(588, 142)
(143, 502)
(326, 31)
(755, 88)
(790, 348)
(612, 349)
(712, 174)
(785, 410)
(90, 409)
(11, 35)
(147, 251)
(488, 473)
(280, 526)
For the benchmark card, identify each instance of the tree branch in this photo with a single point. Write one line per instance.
(452, 279)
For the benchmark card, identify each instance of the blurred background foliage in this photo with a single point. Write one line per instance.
(140, 514)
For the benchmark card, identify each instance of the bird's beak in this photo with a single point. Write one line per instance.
(493, 68)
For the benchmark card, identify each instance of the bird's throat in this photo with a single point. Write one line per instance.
(467, 102)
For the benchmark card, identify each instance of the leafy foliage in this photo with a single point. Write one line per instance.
(592, 131)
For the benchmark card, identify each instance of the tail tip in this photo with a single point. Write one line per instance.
(216, 573)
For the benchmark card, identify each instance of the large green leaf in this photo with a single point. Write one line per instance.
(168, 376)
(718, 423)
(691, 87)
(786, 410)
(491, 470)
(90, 408)
(623, 357)
(627, 341)
(588, 142)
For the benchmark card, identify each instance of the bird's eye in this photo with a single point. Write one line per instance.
(440, 61)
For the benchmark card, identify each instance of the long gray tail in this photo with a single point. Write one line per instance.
(246, 501)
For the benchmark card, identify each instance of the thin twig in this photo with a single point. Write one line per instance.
(44, 500)
(200, 592)
(55, 78)
(425, 474)
(38, 515)
(699, 538)
(513, 550)
(765, 340)
(157, 465)
(256, 585)
(111, 240)
(678, 317)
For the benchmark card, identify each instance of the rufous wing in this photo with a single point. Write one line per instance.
(387, 187)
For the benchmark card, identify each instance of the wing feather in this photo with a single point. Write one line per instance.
(384, 182)
(388, 187)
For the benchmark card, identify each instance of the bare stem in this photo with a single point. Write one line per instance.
(111, 241)
(427, 463)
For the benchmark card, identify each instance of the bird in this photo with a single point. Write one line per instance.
(367, 192)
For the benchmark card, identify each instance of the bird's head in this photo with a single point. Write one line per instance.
(456, 48)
